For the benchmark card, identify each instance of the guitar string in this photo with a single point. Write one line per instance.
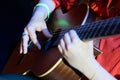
(57, 32)
(115, 27)
(81, 29)
(85, 26)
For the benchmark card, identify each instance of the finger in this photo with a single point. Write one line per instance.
(67, 40)
(46, 33)
(62, 45)
(21, 47)
(60, 49)
(25, 44)
(73, 35)
(33, 36)
(89, 43)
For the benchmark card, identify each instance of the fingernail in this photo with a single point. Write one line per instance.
(38, 45)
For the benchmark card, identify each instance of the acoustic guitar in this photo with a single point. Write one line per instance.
(48, 63)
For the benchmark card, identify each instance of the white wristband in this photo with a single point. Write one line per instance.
(46, 7)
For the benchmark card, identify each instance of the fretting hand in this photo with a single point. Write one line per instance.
(76, 52)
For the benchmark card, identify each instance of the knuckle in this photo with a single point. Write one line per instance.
(69, 47)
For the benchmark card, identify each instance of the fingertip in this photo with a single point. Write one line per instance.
(20, 49)
(74, 35)
(20, 52)
(38, 45)
(72, 31)
(25, 51)
(60, 49)
(47, 33)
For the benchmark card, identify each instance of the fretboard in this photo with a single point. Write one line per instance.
(89, 31)
(97, 29)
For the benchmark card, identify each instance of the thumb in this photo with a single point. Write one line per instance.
(46, 33)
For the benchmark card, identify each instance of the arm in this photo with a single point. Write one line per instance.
(80, 55)
(36, 23)
(42, 11)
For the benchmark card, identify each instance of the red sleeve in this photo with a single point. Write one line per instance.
(101, 7)
(110, 58)
(66, 4)
(57, 3)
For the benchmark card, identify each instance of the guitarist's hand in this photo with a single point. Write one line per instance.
(75, 51)
(79, 54)
(37, 23)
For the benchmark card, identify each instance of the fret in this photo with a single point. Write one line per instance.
(110, 26)
(115, 27)
(86, 34)
(97, 29)
(79, 31)
(83, 31)
(57, 41)
(104, 28)
(94, 30)
(90, 30)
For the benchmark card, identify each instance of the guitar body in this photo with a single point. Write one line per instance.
(49, 65)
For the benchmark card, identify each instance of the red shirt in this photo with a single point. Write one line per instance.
(110, 58)
(99, 6)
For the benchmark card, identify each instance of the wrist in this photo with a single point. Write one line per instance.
(90, 68)
(39, 13)
(44, 8)
(94, 71)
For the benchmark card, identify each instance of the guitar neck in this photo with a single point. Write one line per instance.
(89, 31)
(98, 29)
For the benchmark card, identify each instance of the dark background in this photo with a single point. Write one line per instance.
(14, 15)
